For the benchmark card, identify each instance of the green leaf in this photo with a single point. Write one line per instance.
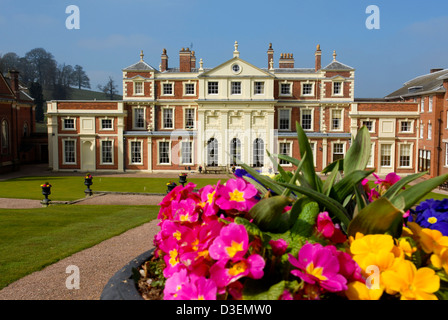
(292, 160)
(267, 214)
(331, 205)
(414, 193)
(379, 217)
(250, 227)
(264, 180)
(279, 167)
(400, 184)
(308, 166)
(358, 154)
(328, 184)
(257, 290)
(345, 186)
(339, 163)
(306, 221)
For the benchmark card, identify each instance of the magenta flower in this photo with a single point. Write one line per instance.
(200, 288)
(175, 284)
(231, 244)
(278, 246)
(238, 195)
(328, 229)
(225, 273)
(318, 265)
(184, 210)
(209, 194)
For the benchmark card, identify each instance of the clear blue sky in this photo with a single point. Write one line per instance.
(411, 40)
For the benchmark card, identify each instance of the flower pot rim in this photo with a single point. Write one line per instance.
(121, 286)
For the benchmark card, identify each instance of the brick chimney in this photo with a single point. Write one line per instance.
(193, 60)
(14, 75)
(185, 60)
(270, 55)
(286, 60)
(164, 62)
(318, 56)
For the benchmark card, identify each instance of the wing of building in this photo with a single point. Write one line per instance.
(172, 119)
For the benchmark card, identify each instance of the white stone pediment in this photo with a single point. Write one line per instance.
(236, 67)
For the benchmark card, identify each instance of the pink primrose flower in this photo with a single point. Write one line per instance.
(184, 210)
(209, 195)
(232, 243)
(237, 195)
(175, 284)
(200, 288)
(328, 229)
(278, 246)
(318, 265)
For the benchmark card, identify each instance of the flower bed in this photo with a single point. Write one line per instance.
(299, 237)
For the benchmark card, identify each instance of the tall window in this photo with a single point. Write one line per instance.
(106, 151)
(386, 155)
(338, 151)
(5, 136)
(187, 155)
(422, 128)
(422, 104)
(424, 160)
(235, 151)
(69, 151)
(284, 119)
(306, 119)
(259, 87)
(337, 88)
(336, 119)
(167, 120)
(405, 155)
(212, 87)
(212, 152)
(285, 149)
(429, 131)
(164, 152)
(138, 87)
(446, 154)
(258, 152)
(431, 98)
(136, 152)
(235, 87)
(139, 118)
(189, 118)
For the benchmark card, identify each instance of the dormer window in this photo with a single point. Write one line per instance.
(337, 88)
(138, 88)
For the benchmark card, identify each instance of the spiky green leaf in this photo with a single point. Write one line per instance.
(358, 154)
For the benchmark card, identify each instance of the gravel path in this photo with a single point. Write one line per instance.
(96, 264)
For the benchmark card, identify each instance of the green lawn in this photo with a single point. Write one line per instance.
(34, 238)
(68, 188)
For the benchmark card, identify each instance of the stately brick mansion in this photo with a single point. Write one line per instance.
(173, 118)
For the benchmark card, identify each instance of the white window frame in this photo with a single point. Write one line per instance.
(411, 126)
(209, 83)
(258, 151)
(139, 142)
(371, 162)
(280, 162)
(390, 155)
(235, 150)
(422, 104)
(289, 119)
(311, 111)
(446, 154)
(313, 145)
(185, 88)
(134, 118)
(236, 88)
(164, 109)
(111, 124)
(411, 146)
(430, 103)
(369, 120)
(422, 130)
(344, 149)
(141, 90)
(302, 91)
(260, 86)
(167, 85)
(64, 151)
(64, 127)
(182, 161)
(185, 118)
(158, 153)
(102, 142)
(285, 83)
(341, 89)
(341, 127)
(429, 131)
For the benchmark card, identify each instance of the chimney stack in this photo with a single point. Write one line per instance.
(270, 55)
(164, 63)
(185, 60)
(14, 75)
(193, 60)
(286, 60)
(318, 55)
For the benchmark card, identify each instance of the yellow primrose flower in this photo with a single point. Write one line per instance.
(440, 260)
(406, 246)
(365, 249)
(357, 290)
(433, 241)
(410, 283)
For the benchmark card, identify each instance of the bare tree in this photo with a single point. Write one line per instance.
(109, 89)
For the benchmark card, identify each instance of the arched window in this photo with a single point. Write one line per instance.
(235, 151)
(258, 153)
(5, 136)
(212, 152)
(25, 129)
